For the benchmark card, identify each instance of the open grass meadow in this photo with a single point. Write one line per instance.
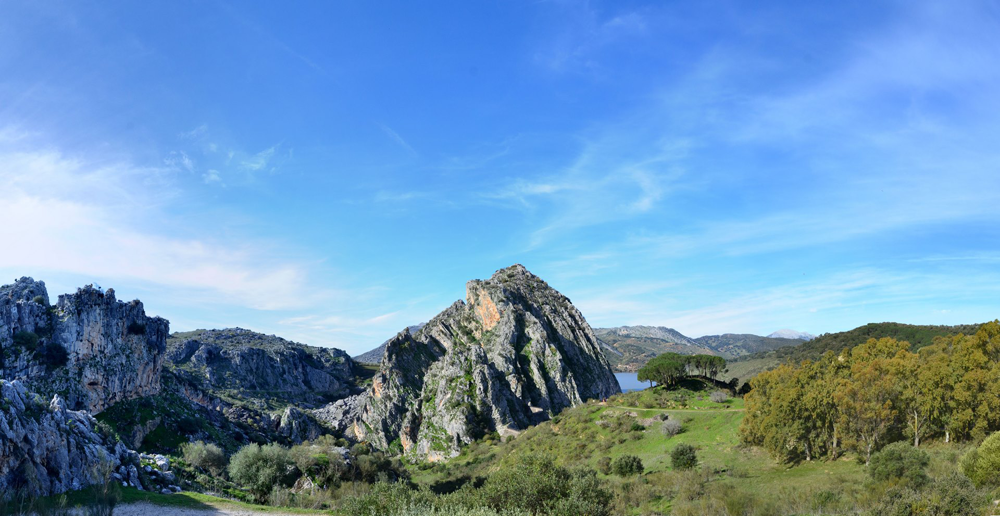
(730, 478)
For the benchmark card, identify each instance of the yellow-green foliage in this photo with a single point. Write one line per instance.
(863, 396)
(982, 464)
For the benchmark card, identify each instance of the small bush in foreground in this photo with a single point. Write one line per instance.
(205, 456)
(260, 469)
(719, 396)
(627, 465)
(683, 456)
(671, 427)
(982, 464)
(900, 462)
(951, 496)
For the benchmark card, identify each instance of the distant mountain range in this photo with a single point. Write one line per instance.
(629, 347)
(746, 367)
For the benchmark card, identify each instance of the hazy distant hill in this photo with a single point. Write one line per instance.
(735, 345)
(627, 348)
(792, 334)
(374, 356)
(917, 335)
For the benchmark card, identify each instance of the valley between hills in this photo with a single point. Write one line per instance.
(504, 403)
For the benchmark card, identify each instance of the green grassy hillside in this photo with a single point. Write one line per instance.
(729, 476)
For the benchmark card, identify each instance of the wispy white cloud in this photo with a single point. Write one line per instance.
(269, 37)
(585, 32)
(212, 155)
(396, 138)
(833, 302)
(260, 160)
(211, 176)
(87, 218)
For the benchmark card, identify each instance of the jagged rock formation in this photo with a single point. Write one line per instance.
(46, 449)
(341, 414)
(251, 365)
(90, 348)
(512, 354)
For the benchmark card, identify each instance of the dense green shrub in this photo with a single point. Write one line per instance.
(42, 300)
(982, 464)
(683, 456)
(951, 496)
(261, 468)
(136, 328)
(538, 486)
(206, 456)
(188, 425)
(52, 355)
(627, 465)
(382, 498)
(26, 340)
(901, 463)
(586, 495)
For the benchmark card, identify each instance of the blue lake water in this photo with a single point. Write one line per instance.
(630, 382)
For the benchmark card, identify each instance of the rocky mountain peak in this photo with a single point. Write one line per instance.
(25, 289)
(513, 353)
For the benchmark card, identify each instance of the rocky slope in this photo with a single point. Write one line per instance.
(234, 386)
(512, 354)
(251, 366)
(46, 449)
(90, 348)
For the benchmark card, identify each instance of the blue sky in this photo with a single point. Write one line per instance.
(334, 171)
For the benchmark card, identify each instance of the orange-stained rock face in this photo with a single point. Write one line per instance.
(377, 387)
(487, 311)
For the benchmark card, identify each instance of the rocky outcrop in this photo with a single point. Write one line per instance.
(297, 426)
(341, 414)
(263, 367)
(91, 348)
(513, 353)
(46, 449)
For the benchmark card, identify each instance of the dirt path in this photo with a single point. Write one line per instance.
(145, 509)
(700, 411)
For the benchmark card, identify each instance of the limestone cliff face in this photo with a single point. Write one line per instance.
(46, 449)
(512, 354)
(260, 367)
(112, 350)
